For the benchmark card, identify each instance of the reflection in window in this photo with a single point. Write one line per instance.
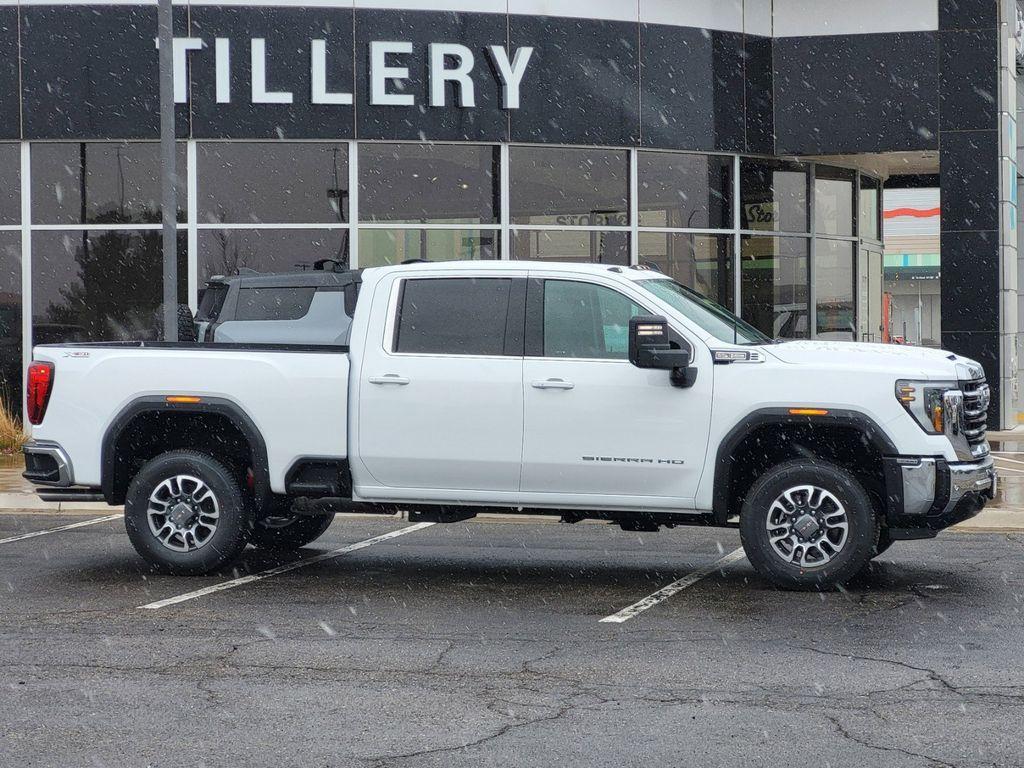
(272, 182)
(774, 283)
(100, 183)
(834, 285)
(228, 251)
(774, 195)
(429, 183)
(569, 187)
(10, 184)
(701, 262)
(381, 247)
(609, 247)
(833, 200)
(870, 207)
(684, 191)
(10, 321)
(100, 285)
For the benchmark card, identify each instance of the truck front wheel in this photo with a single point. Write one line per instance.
(185, 513)
(808, 525)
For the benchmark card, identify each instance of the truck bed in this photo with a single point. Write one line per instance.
(296, 396)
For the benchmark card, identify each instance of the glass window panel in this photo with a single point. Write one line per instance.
(701, 262)
(834, 285)
(381, 247)
(272, 182)
(833, 201)
(870, 207)
(685, 191)
(569, 187)
(583, 320)
(429, 183)
(100, 285)
(610, 247)
(774, 285)
(101, 183)
(10, 184)
(273, 303)
(454, 316)
(10, 321)
(774, 195)
(226, 251)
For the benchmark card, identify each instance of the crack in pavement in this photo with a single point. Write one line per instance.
(869, 745)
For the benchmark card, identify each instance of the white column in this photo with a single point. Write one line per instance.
(634, 208)
(505, 204)
(353, 204)
(192, 225)
(26, 270)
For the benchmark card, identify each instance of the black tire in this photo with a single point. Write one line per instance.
(186, 324)
(283, 531)
(207, 550)
(816, 572)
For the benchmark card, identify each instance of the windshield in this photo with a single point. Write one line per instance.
(712, 317)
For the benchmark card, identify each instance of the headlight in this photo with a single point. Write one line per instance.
(924, 401)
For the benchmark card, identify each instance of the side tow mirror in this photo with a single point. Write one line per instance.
(649, 347)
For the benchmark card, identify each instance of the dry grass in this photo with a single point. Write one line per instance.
(12, 436)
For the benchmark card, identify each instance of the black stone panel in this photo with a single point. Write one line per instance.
(760, 103)
(692, 86)
(969, 180)
(487, 121)
(856, 93)
(10, 114)
(92, 72)
(287, 32)
(983, 347)
(583, 83)
(968, 14)
(970, 281)
(968, 80)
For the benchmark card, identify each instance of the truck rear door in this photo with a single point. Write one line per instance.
(440, 399)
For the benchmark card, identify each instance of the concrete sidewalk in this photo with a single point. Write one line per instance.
(18, 494)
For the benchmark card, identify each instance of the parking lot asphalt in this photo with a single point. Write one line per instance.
(482, 643)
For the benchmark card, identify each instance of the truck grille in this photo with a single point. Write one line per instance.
(976, 400)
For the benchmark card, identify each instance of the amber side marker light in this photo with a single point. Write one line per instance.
(808, 412)
(183, 399)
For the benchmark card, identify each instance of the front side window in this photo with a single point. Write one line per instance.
(589, 321)
(453, 316)
(274, 303)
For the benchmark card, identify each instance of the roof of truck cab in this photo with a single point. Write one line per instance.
(630, 272)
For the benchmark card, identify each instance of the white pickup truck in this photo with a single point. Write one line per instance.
(581, 391)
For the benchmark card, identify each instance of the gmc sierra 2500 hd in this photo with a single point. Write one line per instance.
(583, 391)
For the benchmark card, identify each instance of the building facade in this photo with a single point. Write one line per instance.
(742, 146)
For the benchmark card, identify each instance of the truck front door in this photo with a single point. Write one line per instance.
(598, 429)
(440, 397)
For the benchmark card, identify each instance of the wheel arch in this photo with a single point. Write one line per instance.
(228, 420)
(780, 421)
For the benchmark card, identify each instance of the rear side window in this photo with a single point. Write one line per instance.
(212, 302)
(453, 316)
(273, 303)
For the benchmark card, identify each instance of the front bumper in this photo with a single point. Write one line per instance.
(927, 494)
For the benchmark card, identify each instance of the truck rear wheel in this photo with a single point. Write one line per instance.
(186, 514)
(808, 525)
(283, 530)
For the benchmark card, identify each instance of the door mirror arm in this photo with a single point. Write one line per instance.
(649, 347)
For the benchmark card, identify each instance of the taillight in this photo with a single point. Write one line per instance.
(37, 392)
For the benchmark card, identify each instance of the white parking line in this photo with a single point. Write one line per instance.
(284, 568)
(676, 586)
(997, 457)
(59, 528)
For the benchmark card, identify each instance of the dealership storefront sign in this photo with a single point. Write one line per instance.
(447, 64)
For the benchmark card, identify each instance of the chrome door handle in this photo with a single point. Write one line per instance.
(389, 378)
(552, 384)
